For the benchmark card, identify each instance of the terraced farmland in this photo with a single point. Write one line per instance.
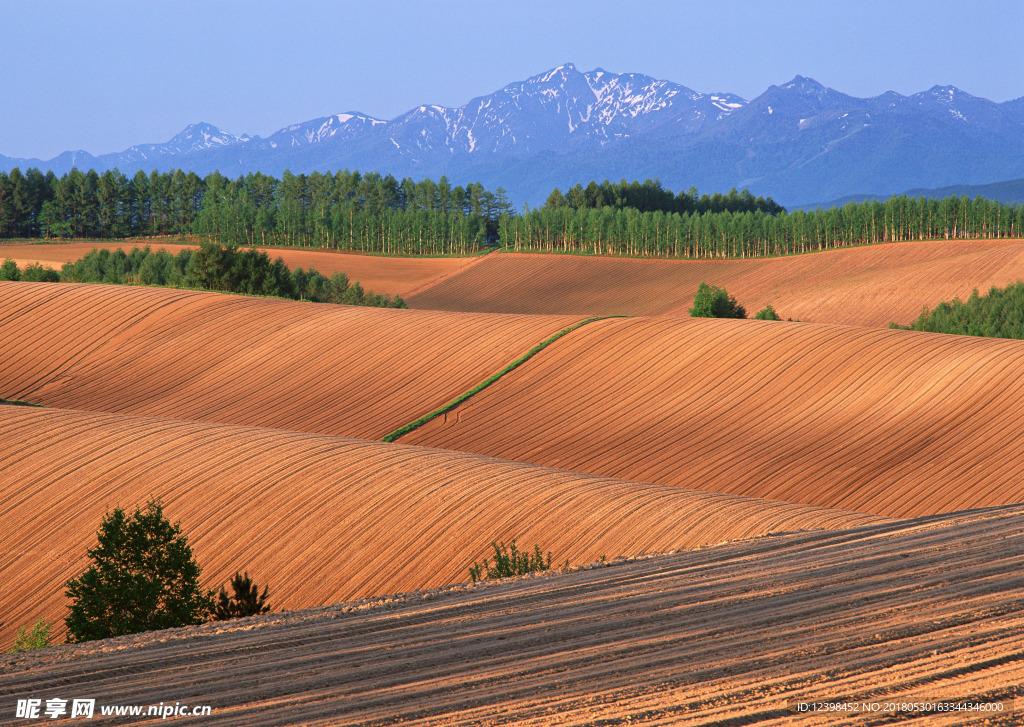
(271, 363)
(322, 519)
(914, 611)
(390, 275)
(866, 286)
(889, 422)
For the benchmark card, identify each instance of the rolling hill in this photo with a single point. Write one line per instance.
(261, 362)
(865, 286)
(377, 273)
(894, 423)
(322, 519)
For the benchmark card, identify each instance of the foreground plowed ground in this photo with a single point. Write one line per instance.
(895, 423)
(866, 286)
(389, 275)
(312, 367)
(322, 519)
(916, 611)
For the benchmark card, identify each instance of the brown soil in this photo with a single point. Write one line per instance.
(389, 275)
(322, 519)
(810, 415)
(896, 423)
(311, 367)
(928, 610)
(866, 286)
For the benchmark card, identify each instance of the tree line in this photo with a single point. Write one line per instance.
(209, 267)
(628, 231)
(346, 210)
(374, 213)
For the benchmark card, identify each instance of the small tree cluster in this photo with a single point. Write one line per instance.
(712, 302)
(143, 577)
(33, 273)
(510, 562)
(767, 314)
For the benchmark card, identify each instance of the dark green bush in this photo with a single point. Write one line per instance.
(245, 600)
(9, 270)
(767, 314)
(33, 273)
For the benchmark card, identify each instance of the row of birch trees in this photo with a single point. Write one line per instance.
(345, 210)
(373, 213)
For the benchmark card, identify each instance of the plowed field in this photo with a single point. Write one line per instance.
(390, 275)
(866, 286)
(909, 612)
(895, 423)
(322, 519)
(311, 367)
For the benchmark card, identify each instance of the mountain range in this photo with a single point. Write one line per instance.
(799, 142)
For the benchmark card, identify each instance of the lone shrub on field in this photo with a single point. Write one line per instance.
(712, 302)
(37, 638)
(510, 562)
(245, 601)
(767, 314)
(143, 577)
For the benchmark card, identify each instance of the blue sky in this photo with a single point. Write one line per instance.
(101, 76)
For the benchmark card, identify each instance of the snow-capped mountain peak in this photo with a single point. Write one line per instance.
(798, 140)
(202, 136)
(338, 127)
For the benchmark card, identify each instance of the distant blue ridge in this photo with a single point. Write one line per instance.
(800, 142)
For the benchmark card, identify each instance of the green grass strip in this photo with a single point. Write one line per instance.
(18, 402)
(487, 382)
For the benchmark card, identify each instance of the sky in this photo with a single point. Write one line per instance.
(104, 75)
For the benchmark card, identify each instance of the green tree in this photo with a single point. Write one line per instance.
(246, 599)
(143, 577)
(767, 314)
(712, 302)
(9, 270)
